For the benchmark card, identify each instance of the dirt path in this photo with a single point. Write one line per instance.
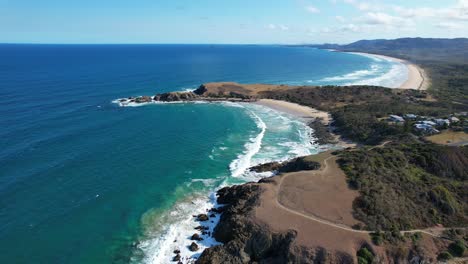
(326, 167)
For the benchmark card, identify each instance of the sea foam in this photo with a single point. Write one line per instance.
(279, 137)
(383, 71)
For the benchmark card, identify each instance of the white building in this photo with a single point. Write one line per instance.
(395, 118)
(442, 122)
(410, 116)
(454, 119)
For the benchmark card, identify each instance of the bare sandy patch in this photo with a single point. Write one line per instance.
(323, 193)
(226, 88)
(317, 204)
(450, 138)
(310, 233)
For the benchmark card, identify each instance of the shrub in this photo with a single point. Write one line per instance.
(377, 238)
(365, 256)
(457, 248)
(444, 256)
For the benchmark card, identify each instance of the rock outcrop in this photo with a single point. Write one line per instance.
(297, 164)
(247, 241)
(176, 96)
(194, 247)
(202, 217)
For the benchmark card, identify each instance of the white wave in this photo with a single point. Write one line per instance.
(394, 78)
(160, 248)
(178, 224)
(243, 161)
(126, 102)
(370, 56)
(206, 182)
(354, 75)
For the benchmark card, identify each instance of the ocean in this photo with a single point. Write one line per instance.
(83, 180)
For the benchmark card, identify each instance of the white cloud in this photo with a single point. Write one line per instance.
(364, 6)
(312, 9)
(340, 19)
(278, 27)
(350, 28)
(456, 12)
(378, 18)
(344, 29)
(449, 25)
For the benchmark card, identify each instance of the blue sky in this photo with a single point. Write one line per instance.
(237, 21)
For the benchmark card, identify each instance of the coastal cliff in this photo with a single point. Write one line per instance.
(246, 240)
(342, 207)
(259, 224)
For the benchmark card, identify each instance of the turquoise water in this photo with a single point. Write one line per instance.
(83, 180)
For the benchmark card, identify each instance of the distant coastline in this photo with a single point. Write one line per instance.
(418, 79)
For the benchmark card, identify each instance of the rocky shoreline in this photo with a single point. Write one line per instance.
(255, 227)
(200, 94)
(244, 240)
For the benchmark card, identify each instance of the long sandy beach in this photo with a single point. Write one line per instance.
(417, 77)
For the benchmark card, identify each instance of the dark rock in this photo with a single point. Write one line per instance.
(176, 257)
(176, 96)
(217, 210)
(196, 237)
(177, 251)
(247, 241)
(143, 99)
(212, 215)
(297, 164)
(202, 217)
(322, 132)
(201, 90)
(193, 247)
(201, 228)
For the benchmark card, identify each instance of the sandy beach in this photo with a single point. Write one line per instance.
(301, 111)
(307, 114)
(417, 77)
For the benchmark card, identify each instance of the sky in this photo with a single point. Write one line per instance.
(228, 21)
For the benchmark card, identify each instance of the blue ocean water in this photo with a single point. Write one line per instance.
(83, 180)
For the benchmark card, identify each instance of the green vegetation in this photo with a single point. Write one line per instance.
(377, 238)
(457, 248)
(358, 110)
(445, 60)
(444, 256)
(408, 185)
(365, 256)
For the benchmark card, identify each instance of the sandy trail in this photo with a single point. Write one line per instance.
(329, 166)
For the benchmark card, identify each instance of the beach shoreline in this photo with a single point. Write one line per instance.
(297, 110)
(308, 115)
(417, 79)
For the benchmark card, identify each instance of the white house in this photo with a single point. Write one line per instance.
(429, 123)
(442, 122)
(395, 118)
(410, 116)
(454, 119)
(426, 128)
